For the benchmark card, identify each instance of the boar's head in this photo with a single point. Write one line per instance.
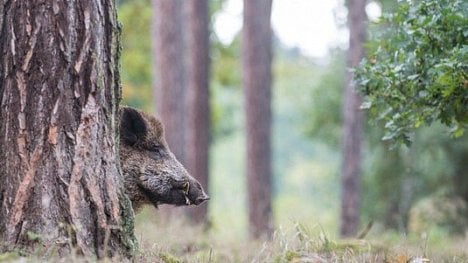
(152, 174)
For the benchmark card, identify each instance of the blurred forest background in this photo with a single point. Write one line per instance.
(417, 192)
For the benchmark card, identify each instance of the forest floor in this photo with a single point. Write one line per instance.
(168, 238)
(173, 241)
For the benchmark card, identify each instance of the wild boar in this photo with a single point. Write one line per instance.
(152, 174)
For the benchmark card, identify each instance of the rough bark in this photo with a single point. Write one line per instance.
(198, 110)
(61, 185)
(256, 59)
(169, 72)
(352, 119)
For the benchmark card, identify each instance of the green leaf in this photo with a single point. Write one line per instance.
(366, 105)
(417, 73)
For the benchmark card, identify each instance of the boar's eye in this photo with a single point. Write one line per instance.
(156, 150)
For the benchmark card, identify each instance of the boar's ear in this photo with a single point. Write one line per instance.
(132, 126)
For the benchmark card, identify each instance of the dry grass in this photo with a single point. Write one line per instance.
(170, 239)
(175, 240)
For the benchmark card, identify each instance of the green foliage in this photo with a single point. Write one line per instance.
(438, 212)
(324, 111)
(396, 180)
(168, 258)
(388, 5)
(225, 91)
(393, 180)
(416, 72)
(136, 72)
(226, 64)
(136, 61)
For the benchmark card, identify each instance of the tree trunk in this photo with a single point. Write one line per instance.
(351, 142)
(61, 185)
(168, 46)
(198, 110)
(256, 59)
(457, 150)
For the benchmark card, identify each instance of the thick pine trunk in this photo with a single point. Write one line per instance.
(352, 122)
(59, 88)
(256, 59)
(198, 110)
(169, 72)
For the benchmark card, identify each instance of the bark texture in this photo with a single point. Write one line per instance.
(198, 110)
(352, 124)
(256, 59)
(169, 72)
(61, 185)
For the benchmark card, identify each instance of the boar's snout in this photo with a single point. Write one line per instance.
(193, 192)
(201, 199)
(196, 195)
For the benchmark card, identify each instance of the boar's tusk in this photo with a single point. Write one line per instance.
(187, 201)
(186, 187)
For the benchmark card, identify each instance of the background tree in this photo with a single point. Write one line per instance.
(169, 72)
(59, 90)
(415, 75)
(256, 66)
(394, 182)
(198, 110)
(304, 169)
(352, 123)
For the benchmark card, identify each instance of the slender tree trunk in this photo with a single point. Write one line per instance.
(168, 47)
(457, 149)
(351, 142)
(256, 58)
(61, 184)
(198, 110)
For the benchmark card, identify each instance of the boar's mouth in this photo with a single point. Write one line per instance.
(194, 194)
(178, 196)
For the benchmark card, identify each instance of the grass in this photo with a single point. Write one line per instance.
(171, 239)
(167, 237)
